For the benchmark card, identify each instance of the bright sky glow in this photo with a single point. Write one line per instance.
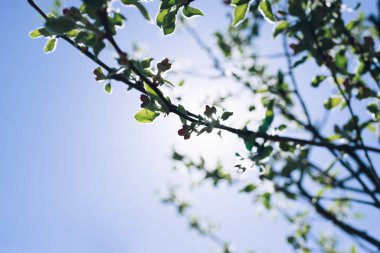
(78, 174)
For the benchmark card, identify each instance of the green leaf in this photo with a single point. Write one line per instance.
(266, 200)
(146, 116)
(98, 45)
(38, 33)
(57, 4)
(151, 93)
(334, 137)
(285, 146)
(108, 88)
(73, 33)
(176, 156)
(365, 92)
(265, 9)
(250, 141)
(225, 47)
(249, 188)
(226, 115)
(166, 17)
(118, 19)
(146, 63)
(190, 11)
(371, 128)
(241, 9)
(160, 17)
(182, 110)
(332, 102)
(167, 4)
(50, 46)
(164, 66)
(139, 6)
(372, 107)
(269, 116)
(300, 61)
(169, 21)
(181, 83)
(202, 131)
(264, 152)
(341, 61)
(281, 27)
(99, 75)
(317, 80)
(360, 70)
(60, 25)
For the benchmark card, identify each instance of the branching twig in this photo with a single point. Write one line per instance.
(196, 119)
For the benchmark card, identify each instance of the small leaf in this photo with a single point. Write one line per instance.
(160, 17)
(190, 11)
(176, 156)
(250, 141)
(360, 70)
(285, 146)
(266, 200)
(281, 127)
(269, 116)
(73, 33)
(151, 93)
(139, 6)
(371, 128)
(332, 102)
(182, 110)
(99, 75)
(38, 33)
(108, 88)
(146, 63)
(118, 19)
(241, 9)
(60, 25)
(223, 45)
(317, 80)
(282, 26)
(146, 116)
(50, 46)
(264, 153)
(164, 65)
(202, 131)
(300, 61)
(334, 137)
(373, 108)
(341, 61)
(169, 21)
(181, 83)
(249, 188)
(226, 115)
(265, 9)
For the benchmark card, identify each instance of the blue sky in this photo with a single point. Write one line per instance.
(78, 174)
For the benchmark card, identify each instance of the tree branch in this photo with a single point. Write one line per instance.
(195, 118)
(344, 226)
